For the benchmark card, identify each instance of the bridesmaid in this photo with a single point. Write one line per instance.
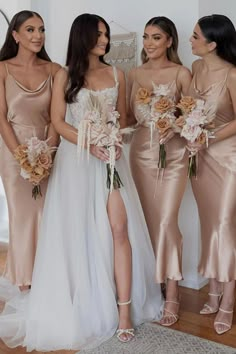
(160, 195)
(26, 74)
(214, 78)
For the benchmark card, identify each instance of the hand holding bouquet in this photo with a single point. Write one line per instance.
(100, 127)
(35, 159)
(158, 108)
(195, 124)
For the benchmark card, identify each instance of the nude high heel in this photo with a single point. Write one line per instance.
(228, 325)
(170, 315)
(207, 309)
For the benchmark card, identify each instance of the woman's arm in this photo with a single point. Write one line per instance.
(58, 108)
(121, 101)
(184, 80)
(131, 120)
(6, 131)
(53, 136)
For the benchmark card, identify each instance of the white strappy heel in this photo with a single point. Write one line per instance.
(128, 331)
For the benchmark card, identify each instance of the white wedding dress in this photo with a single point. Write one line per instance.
(72, 303)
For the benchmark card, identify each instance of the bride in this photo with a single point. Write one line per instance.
(94, 271)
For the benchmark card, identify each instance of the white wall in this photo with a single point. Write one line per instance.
(10, 7)
(223, 7)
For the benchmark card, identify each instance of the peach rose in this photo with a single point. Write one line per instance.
(20, 153)
(186, 104)
(143, 96)
(36, 178)
(201, 139)
(163, 105)
(38, 170)
(26, 166)
(163, 125)
(45, 161)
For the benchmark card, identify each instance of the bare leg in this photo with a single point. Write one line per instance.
(122, 256)
(225, 315)
(171, 308)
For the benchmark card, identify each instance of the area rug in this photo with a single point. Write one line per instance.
(154, 339)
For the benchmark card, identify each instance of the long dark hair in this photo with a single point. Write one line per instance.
(167, 26)
(10, 48)
(83, 37)
(219, 29)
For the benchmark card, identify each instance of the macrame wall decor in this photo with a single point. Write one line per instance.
(123, 52)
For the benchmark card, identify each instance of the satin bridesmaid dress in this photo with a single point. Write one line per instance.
(28, 114)
(160, 191)
(215, 186)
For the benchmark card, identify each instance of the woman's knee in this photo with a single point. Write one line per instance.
(120, 231)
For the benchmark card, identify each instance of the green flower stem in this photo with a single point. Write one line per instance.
(117, 183)
(36, 192)
(162, 156)
(192, 166)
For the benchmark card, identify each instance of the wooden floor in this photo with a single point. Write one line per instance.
(190, 320)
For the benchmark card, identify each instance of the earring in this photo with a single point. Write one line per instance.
(17, 42)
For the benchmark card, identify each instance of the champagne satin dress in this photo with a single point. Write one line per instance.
(28, 114)
(215, 186)
(160, 191)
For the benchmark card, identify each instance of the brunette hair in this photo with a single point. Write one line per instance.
(167, 26)
(10, 47)
(220, 29)
(83, 38)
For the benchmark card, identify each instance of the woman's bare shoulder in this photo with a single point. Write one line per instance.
(196, 64)
(3, 69)
(55, 68)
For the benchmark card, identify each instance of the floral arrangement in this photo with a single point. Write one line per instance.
(158, 109)
(35, 159)
(100, 127)
(195, 124)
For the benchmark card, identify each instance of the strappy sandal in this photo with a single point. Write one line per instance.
(227, 325)
(172, 316)
(207, 309)
(129, 332)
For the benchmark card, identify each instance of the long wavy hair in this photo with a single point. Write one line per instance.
(10, 48)
(83, 38)
(167, 26)
(220, 29)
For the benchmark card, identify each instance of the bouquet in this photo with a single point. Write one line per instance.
(195, 124)
(100, 127)
(157, 108)
(35, 159)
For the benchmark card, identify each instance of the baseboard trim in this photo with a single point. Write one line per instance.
(194, 284)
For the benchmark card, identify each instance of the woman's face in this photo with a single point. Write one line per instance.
(200, 45)
(155, 42)
(100, 47)
(31, 34)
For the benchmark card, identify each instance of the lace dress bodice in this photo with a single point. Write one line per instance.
(82, 105)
